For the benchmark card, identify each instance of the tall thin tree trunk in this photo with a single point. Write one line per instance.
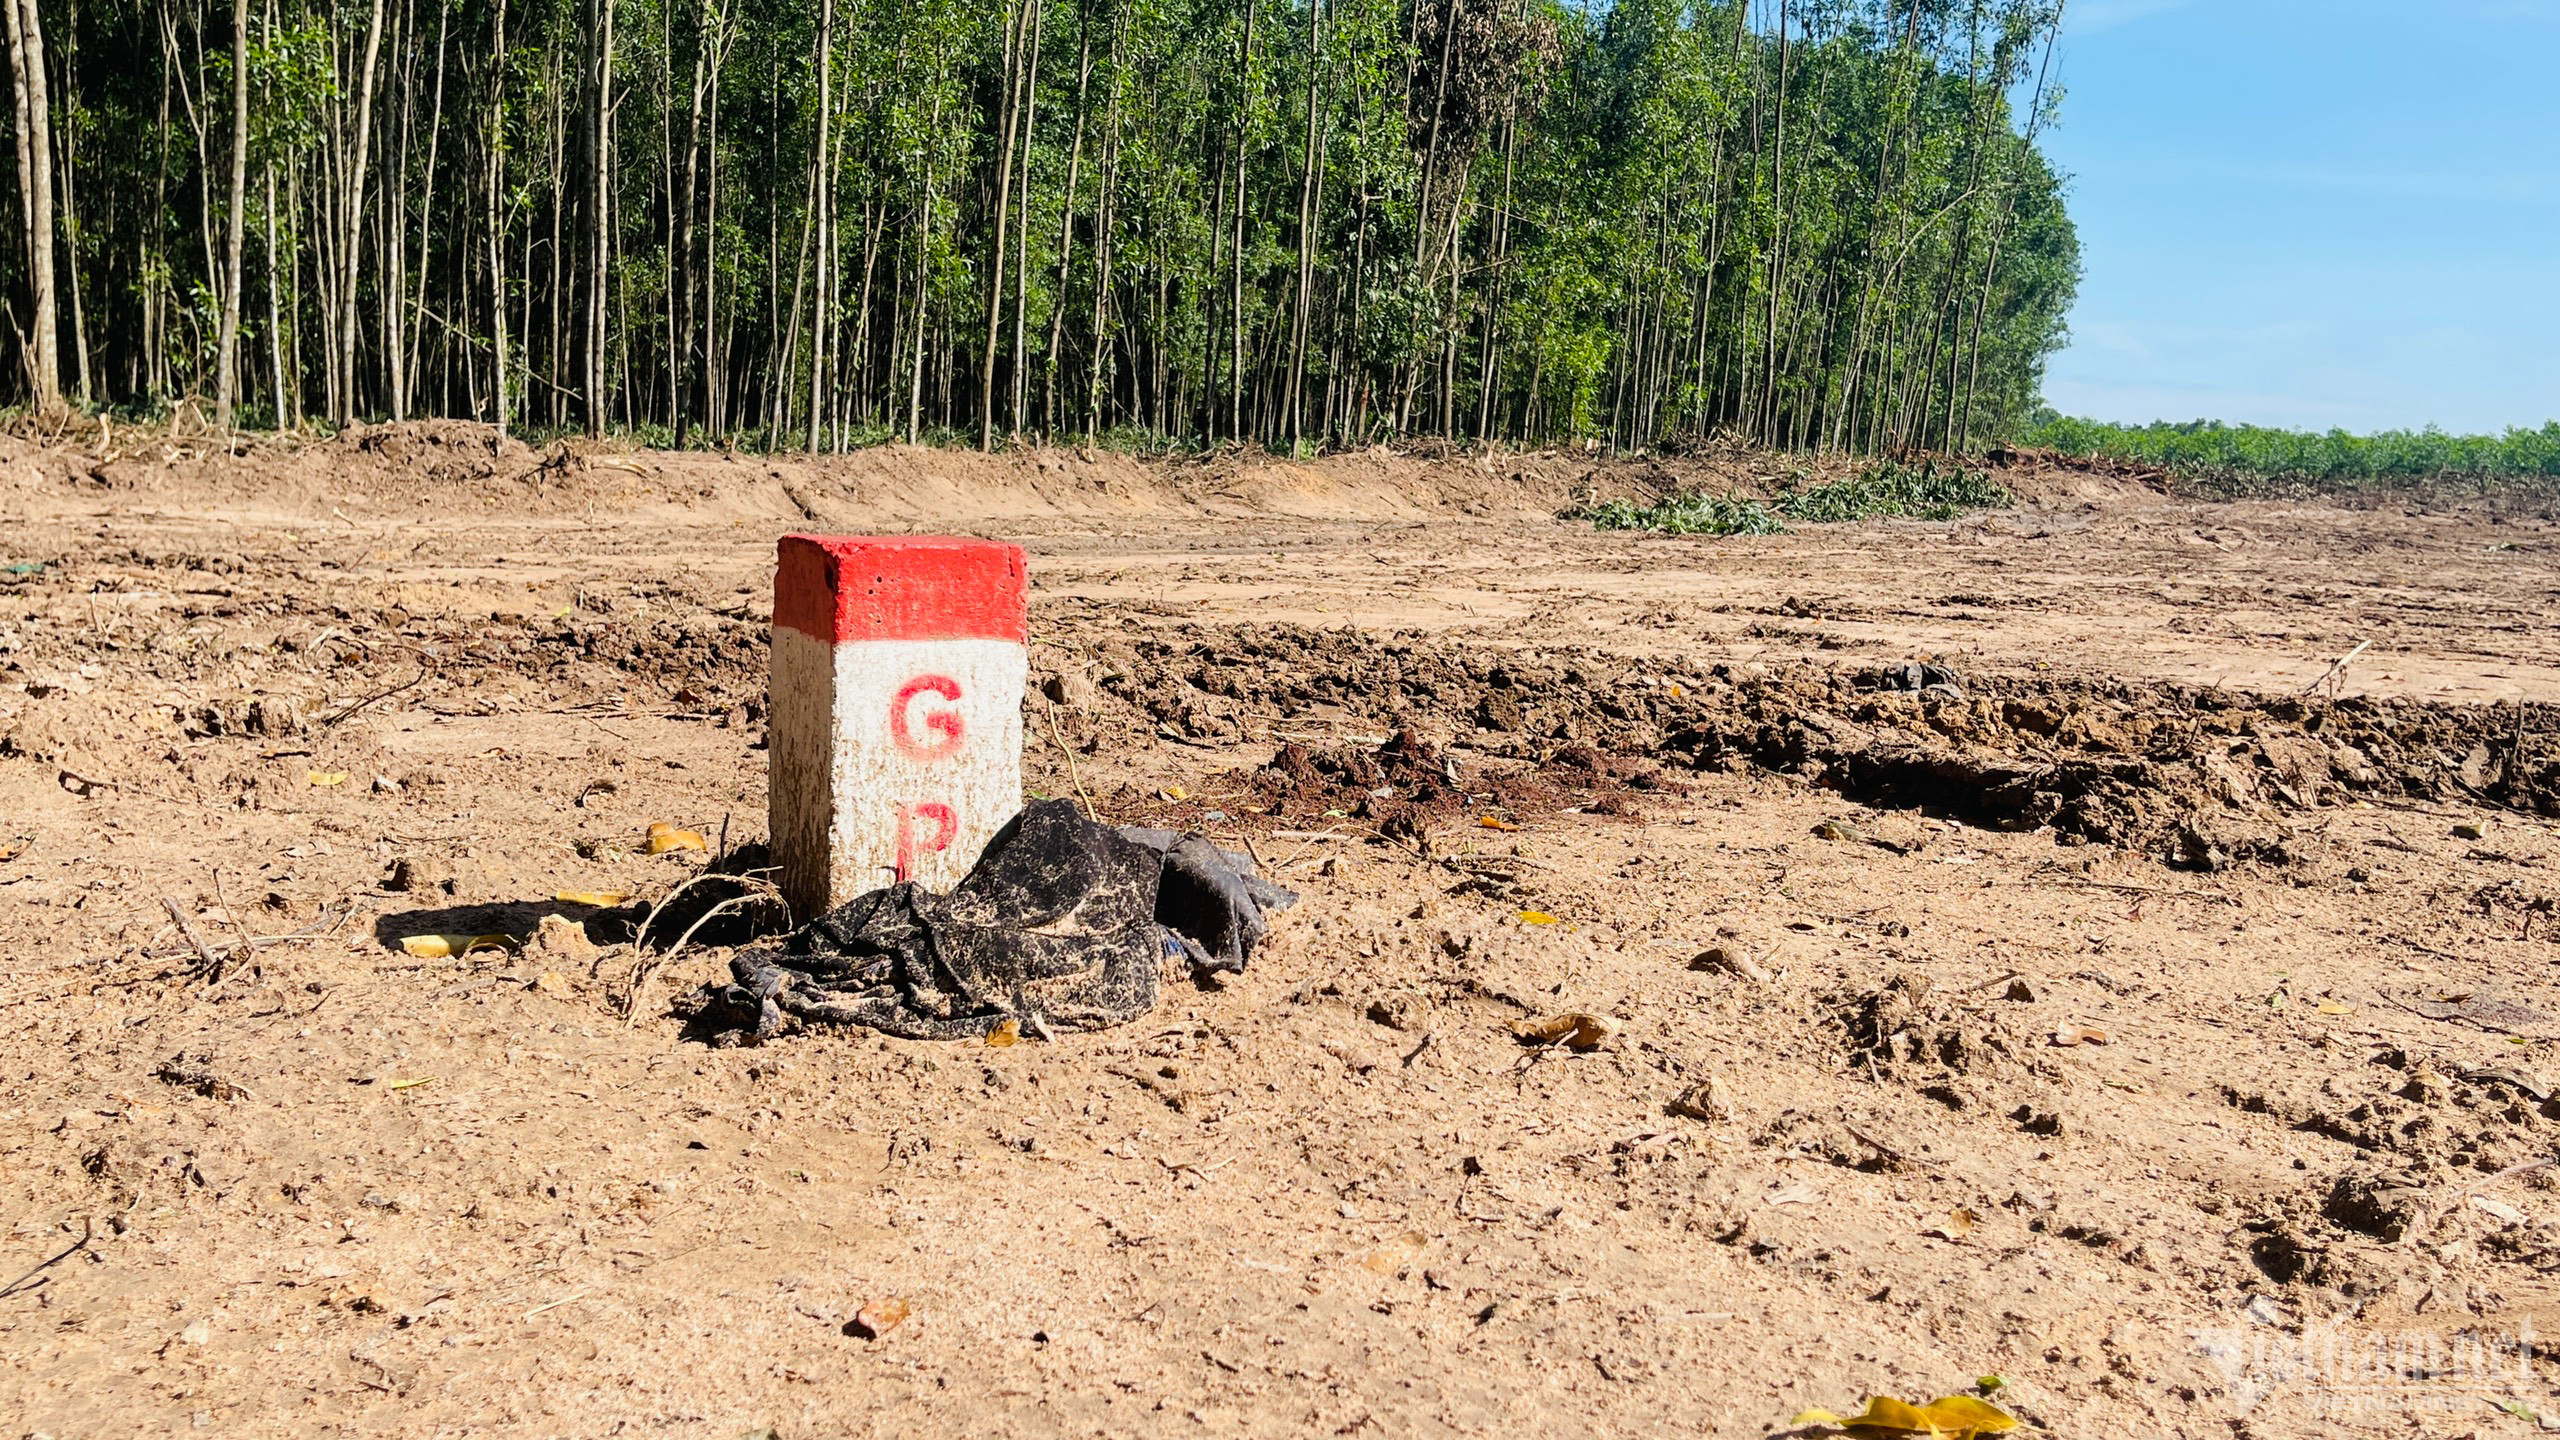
(410, 319)
(1767, 406)
(22, 98)
(227, 361)
(282, 396)
(1022, 228)
(599, 215)
(1016, 22)
(682, 202)
(1299, 317)
(821, 211)
(395, 212)
(68, 157)
(35, 150)
(715, 406)
(351, 232)
(1235, 251)
(1106, 188)
(1066, 228)
(497, 216)
(924, 265)
(1208, 313)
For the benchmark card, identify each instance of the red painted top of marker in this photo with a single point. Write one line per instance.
(838, 588)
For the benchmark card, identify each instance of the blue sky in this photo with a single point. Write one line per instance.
(2313, 212)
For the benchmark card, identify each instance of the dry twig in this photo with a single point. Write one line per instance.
(2337, 667)
(248, 944)
(1073, 775)
(349, 711)
(757, 887)
(212, 962)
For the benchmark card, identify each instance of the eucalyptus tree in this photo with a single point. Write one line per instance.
(814, 223)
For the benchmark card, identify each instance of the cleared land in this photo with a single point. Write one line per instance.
(342, 1188)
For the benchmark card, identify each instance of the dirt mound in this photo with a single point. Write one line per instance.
(2197, 778)
(2419, 1135)
(2200, 779)
(439, 465)
(437, 444)
(1404, 786)
(625, 648)
(1401, 784)
(444, 465)
(2050, 477)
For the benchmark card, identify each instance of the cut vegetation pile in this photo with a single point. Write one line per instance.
(1921, 492)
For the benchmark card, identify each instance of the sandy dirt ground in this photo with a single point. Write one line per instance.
(1847, 830)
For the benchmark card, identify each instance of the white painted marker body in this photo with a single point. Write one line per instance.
(896, 714)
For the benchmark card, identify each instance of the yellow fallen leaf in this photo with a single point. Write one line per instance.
(446, 947)
(328, 777)
(665, 838)
(1005, 1034)
(15, 846)
(1958, 1224)
(1392, 1257)
(413, 1084)
(1495, 822)
(1536, 917)
(879, 1317)
(1705, 1100)
(2332, 1007)
(1577, 1029)
(1956, 1417)
(600, 899)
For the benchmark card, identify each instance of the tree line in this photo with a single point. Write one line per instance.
(819, 223)
(2247, 459)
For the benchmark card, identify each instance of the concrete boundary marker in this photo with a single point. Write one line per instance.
(895, 731)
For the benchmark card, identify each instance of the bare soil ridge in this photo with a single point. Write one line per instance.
(465, 467)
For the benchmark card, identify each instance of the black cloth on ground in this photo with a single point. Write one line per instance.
(1063, 923)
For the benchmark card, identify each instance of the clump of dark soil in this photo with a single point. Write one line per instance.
(1906, 1030)
(1403, 779)
(1403, 786)
(1406, 785)
(2381, 1205)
